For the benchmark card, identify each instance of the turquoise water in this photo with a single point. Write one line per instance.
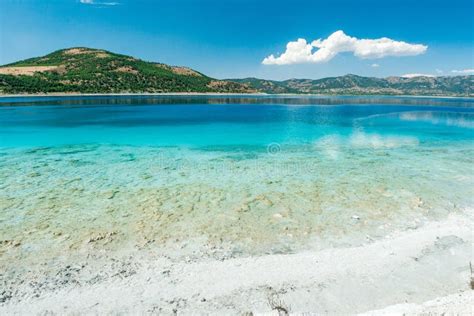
(203, 124)
(253, 174)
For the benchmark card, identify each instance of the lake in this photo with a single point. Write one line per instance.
(247, 174)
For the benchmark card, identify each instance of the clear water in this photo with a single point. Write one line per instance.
(253, 174)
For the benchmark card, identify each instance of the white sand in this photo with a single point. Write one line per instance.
(392, 276)
(454, 304)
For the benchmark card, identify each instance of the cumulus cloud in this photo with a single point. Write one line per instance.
(301, 51)
(99, 3)
(463, 71)
(375, 65)
(417, 75)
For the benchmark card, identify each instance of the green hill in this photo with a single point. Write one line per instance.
(86, 70)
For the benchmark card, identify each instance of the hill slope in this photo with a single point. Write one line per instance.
(356, 85)
(86, 70)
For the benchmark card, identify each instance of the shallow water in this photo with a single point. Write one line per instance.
(258, 174)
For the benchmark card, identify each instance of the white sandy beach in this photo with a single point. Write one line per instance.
(417, 272)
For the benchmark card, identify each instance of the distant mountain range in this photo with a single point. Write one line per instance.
(87, 70)
(357, 85)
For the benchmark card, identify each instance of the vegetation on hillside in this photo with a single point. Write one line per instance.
(357, 85)
(86, 70)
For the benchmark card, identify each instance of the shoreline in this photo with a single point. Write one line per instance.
(227, 94)
(426, 269)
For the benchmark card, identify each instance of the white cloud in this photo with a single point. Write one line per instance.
(375, 65)
(417, 75)
(463, 71)
(99, 3)
(338, 42)
(439, 71)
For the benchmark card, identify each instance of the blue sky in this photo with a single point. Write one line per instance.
(231, 38)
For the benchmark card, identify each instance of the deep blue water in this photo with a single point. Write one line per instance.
(211, 121)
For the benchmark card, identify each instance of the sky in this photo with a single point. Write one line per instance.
(253, 38)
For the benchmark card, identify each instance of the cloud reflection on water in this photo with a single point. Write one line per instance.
(464, 120)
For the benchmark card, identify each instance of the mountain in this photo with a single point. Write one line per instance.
(87, 70)
(357, 85)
